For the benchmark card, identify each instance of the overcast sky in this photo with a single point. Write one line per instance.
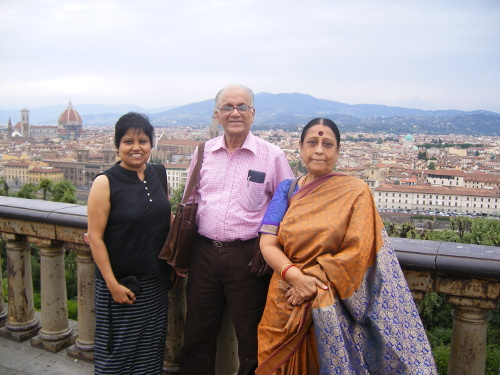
(426, 54)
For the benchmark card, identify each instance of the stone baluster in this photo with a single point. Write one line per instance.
(468, 341)
(84, 345)
(175, 334)
(22, 322)
(3, 311)
(55, 334)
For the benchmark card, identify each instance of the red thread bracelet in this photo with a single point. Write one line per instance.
(285, 270)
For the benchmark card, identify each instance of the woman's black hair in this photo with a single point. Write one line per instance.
(133, 120)
(321, 121)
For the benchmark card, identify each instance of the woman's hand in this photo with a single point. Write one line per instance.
(121, 294)
(181, 272)
(302, 287)
(177, 276)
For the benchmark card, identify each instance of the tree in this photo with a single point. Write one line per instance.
(484, 232)
(28, 191)
(64, 191)
(176, 197)
(46, 186)
(407, 230)
(297, 167)
(461, 225)
(422, 155)
(4, 188)
(432, 166)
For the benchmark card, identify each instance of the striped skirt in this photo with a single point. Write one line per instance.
(139, 331)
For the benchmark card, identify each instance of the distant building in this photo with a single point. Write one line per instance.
(171, 150)
(69, 126)
(176, 175)
(438, 199)
(214, 128)
(409, 144)
(36, 175)
(453, 178)
(70, 123)
(17, 174)
(82, 170)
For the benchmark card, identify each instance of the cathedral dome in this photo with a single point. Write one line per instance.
(409, 137)
(70, 117)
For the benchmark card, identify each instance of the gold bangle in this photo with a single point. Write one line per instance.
(284, 266)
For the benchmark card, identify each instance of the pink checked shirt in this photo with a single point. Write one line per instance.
(230, 206)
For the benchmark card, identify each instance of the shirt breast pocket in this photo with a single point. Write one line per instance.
(253, 196)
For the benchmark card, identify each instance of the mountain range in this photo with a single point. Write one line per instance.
(290, 111)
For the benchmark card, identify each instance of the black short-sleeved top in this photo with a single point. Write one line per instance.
(138, 223)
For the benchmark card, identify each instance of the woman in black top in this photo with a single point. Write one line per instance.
(128, 221)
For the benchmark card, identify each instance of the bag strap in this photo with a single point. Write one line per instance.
(195, 175)
(162, 175)
(292, 187)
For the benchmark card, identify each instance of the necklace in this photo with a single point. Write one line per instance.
(303, 181)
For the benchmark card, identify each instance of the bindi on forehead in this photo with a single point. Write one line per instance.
(320, 133)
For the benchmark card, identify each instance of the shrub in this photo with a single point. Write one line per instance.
(73, 309)
(439, 337)
(492, 360)
(441, 355)
(37, 299)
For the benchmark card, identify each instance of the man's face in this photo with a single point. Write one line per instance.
(235, 123)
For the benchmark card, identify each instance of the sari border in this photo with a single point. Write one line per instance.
(309, 187)
(269, 229)
(295, 341)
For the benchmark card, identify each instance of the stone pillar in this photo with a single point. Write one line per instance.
(468, 340)
(227, 362)
(21, 323)
(55, 334)
(3, 311)
(84, 345)
(175, 334)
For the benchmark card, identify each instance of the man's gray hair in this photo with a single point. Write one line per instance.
(217, 97)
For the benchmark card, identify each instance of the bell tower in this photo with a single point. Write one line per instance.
(9, 129)
(25, 123)
(214, 127)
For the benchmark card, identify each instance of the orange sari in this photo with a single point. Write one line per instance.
(334, 233)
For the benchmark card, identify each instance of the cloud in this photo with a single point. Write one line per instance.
(438, 55)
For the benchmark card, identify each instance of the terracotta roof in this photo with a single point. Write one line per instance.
(46, 170)
(70, 116)
(186, 142)
(445, 172)
(17, 164)
(442, 190)
(176, 166)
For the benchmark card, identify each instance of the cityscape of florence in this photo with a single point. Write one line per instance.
(442, 174)
(422, 133)
(434, 187)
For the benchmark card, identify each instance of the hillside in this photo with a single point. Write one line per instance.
(291, 110)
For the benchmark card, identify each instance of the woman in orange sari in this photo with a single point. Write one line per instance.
(338, 302)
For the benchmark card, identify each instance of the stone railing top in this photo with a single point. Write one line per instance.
(71, 215)
(430, 256)
(448, 257)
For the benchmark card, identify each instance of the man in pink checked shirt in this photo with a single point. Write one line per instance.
(238, 177)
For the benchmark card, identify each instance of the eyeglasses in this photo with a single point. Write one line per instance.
(242, 108)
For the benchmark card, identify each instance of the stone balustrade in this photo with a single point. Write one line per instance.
(468, 275)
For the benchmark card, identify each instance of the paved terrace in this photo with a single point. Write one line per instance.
(25, 359)
(48, 343)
